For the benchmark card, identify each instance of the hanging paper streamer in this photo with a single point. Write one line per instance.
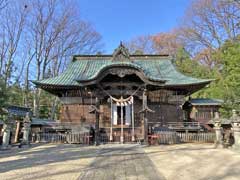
(123, 102)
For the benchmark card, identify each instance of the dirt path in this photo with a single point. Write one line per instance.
(47, 161)
(71, 162)
(195, 162)
(121, 162)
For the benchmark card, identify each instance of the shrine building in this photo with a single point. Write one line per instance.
(122, 95)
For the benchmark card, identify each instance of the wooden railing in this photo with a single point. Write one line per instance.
(197, 137)
(104, 136)
(179, 125)
(162, 137)
(78, 138)
(184, 124)
(171, 137)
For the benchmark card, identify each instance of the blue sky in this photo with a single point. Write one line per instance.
(122, 20)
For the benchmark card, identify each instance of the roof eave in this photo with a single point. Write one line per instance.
(206, 104)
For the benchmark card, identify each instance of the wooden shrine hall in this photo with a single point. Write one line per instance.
(122, 96)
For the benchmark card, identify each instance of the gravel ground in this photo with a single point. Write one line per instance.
(49, 161)
(71, 162)
(195, 162)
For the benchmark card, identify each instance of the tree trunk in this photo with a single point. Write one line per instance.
(53, 109)
(36, 102)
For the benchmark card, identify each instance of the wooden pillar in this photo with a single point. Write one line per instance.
(145, 120)
(17, 131)
(97, 122)
(133, 133)
(121, 137)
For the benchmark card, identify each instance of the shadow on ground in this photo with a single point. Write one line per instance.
(43, 154)
(195, 161)
(120, 161)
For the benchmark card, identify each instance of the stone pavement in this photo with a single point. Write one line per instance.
(121, 162)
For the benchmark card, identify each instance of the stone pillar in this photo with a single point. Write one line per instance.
(26, 130)
(236, 129)
(7, 128)
(218, 131)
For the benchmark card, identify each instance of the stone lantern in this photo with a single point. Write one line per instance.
(236, 129)
(218, 131)
(26, 129)
(7, 128)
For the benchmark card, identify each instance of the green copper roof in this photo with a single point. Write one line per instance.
(152, 68)
(206, 101)
(155, 69)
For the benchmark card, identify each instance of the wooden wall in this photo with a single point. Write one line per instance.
(204, 114)
(105, 116)
(165, 113)
(78, 113)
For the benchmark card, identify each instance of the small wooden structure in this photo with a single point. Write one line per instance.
(121, 96)
(14, 125)
(201, 110)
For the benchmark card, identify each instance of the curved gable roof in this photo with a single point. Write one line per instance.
(154, 68)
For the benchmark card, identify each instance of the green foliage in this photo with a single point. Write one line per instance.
(3, 94)
(226, 85)
(15, 95)
(188, 66)
(3, 99)
(44, 111)
(230, 54)
(46, 102)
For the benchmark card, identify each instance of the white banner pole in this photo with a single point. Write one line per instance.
(133, 133)
(111, 136)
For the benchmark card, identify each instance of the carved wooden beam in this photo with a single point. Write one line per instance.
(130, 85)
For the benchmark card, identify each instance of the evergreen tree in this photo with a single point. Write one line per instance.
(3, 99)
(230, 54)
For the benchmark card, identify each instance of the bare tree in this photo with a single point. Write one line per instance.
(208, 24)
(161, 43)
(11, 29)
(3, 4)
(55, 32)
(167, 43)
(141, 44)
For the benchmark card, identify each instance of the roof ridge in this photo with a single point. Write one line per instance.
(132, 57)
